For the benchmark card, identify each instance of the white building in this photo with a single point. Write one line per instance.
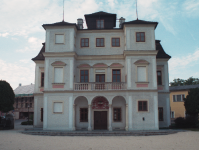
(101, 77)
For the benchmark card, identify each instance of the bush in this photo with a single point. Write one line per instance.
(27, 123)
(188, 122)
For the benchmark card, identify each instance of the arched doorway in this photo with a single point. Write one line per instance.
(100, 107)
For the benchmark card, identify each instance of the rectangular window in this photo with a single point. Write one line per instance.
(58, 107)
(26, 105)
(172, 114)
(58, 75)
(159, 77)
(100, 42)
(83, 114)
(41, 114)
(160, 112)
(116, 75)
(115, 42)
(30, 105)
(59, 38)
(100, 24)
(83, 75)
(117, 117)
(140, 37)
(142, 106)
(42, 79)
(84, 42)
(178, 98)
(21, 105)
(141, 74)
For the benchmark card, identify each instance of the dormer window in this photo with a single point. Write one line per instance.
(100, 24)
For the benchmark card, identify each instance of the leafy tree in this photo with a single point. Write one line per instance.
(191, 102)
(6, 96)
(189, 81)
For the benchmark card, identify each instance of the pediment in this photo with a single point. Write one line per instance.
(100, 65)
(84, 66)
(116, 65)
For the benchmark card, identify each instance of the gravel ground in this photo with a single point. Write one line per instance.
(14, 140)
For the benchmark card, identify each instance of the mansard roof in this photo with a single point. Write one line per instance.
(63, 23)
(40, 56)
(140, 22)
(161, 53)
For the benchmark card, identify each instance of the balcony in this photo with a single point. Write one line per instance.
(102, 86)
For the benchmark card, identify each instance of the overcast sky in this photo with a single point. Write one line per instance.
(22, 35)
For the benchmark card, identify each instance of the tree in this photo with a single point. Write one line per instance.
(191, 102)
(6, 96)
(189, 81)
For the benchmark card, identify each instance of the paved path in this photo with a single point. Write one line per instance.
(14, 140)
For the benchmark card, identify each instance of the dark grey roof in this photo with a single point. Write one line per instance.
(99, 13)
(40, 56)
(161, 53)
(63, 23)
(26, 89)
(140, 22)
(184, 87)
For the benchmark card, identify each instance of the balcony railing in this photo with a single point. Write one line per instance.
(95, 86)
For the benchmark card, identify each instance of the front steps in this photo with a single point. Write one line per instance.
(98, 133)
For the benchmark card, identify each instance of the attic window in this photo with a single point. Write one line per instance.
(100, 24)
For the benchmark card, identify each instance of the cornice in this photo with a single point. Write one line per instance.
(60, 54)
(140, 53)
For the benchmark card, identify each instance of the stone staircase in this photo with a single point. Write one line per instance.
(97, 133)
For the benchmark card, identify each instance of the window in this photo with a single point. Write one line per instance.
(117, 114)
(41, 114)
(30, 105)
(159, 77)
(58, 75)
(178, 98)
(141, 74)
(83, 114)
(59, 38)
(115, 42)
(100, 24)
(21, 105)
(140, 37)
(84, 42)
(116, 75)
(100, 42)
(160, 112)
(172, 114)
(142, 106)
(58, 107)
(42, 79)
(26, 105)
(83, 75)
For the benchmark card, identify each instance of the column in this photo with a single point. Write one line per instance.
(89, 117)
(127, 119)
(71, 73)
(74, 117)
(110, 118)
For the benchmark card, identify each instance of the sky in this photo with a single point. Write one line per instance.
(22, 35)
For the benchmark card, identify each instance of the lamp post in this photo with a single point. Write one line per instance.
(28, 114)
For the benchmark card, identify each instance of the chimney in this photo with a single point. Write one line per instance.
(121, 20)
(80, 23)
(19, 84)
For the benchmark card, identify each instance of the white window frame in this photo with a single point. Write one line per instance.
(176, 97)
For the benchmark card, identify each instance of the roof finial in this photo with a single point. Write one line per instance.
(136, 10)
(63, 11)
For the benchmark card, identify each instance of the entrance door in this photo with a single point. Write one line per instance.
(100, 78)
(100, 120)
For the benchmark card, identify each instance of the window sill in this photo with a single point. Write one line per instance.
(58, 83)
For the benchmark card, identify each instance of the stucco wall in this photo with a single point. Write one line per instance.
(178, 107)
(163, 101)
(38, 104)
